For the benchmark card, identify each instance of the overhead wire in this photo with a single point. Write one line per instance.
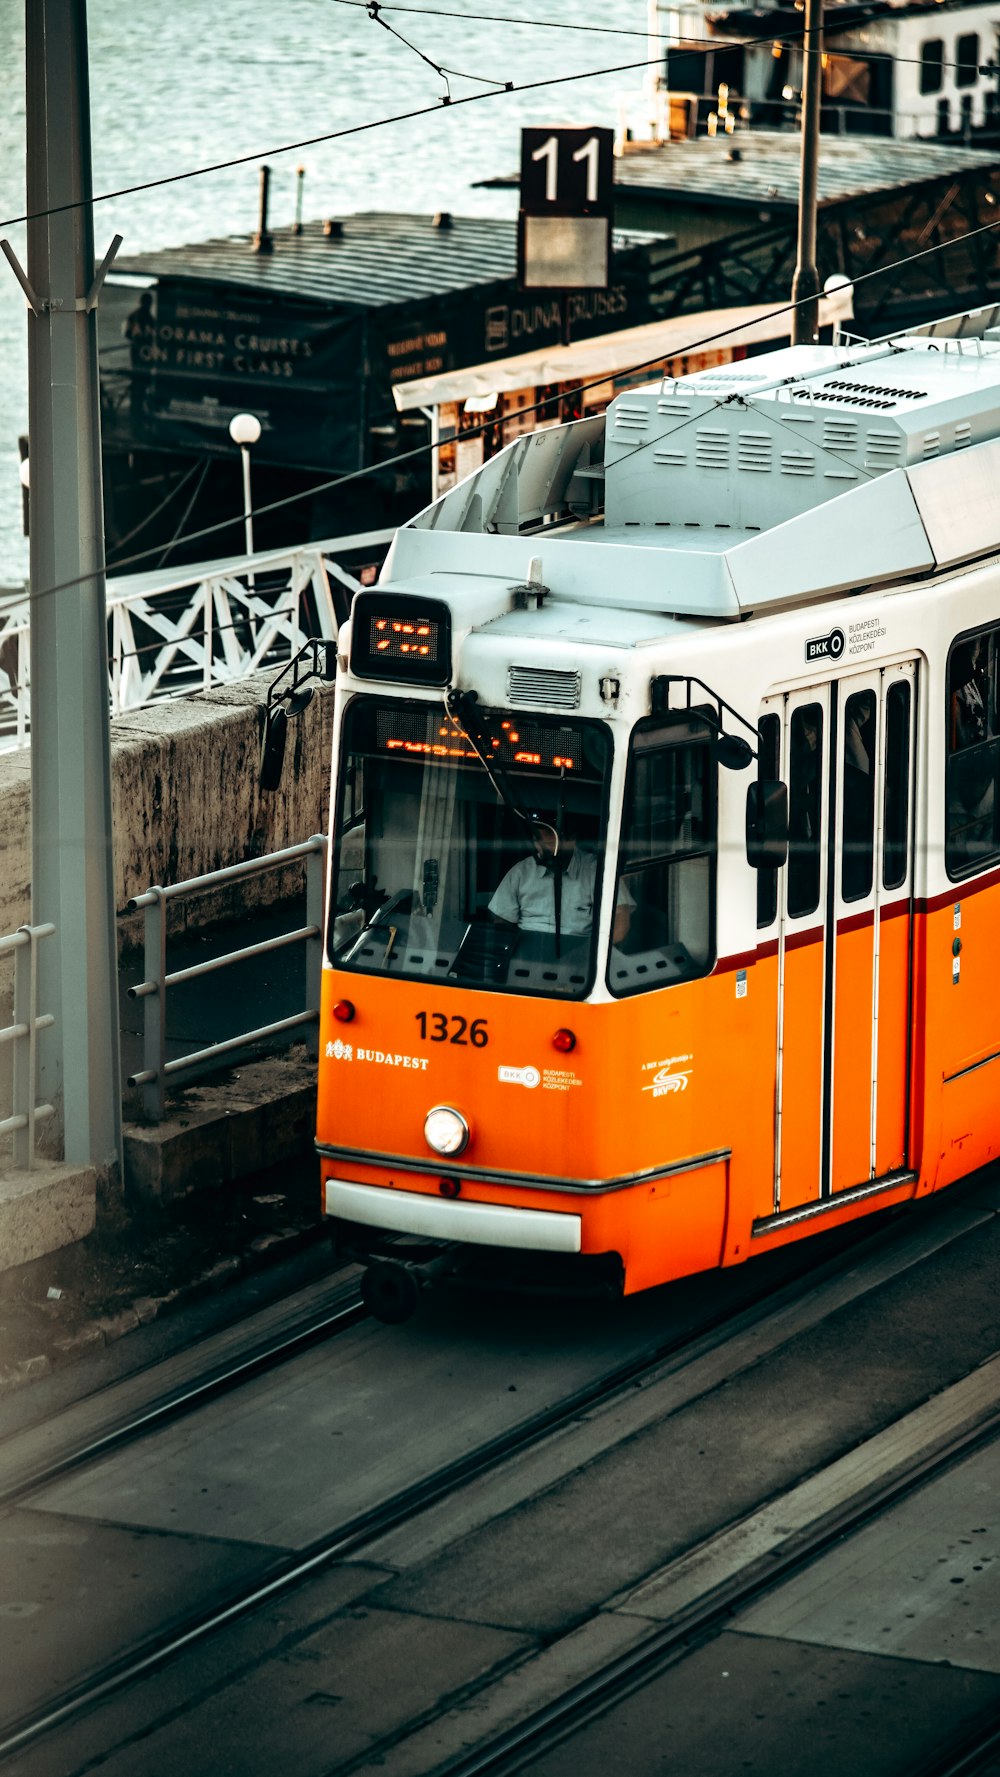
(508, 87)
(189, 508)
(163, 504)
(375, 9)
(671, 40)
(354, 129)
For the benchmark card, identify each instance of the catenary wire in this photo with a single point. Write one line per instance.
(354, 129)
(375, 12)
(670, 40)
(185, 515)
(421, 450)
(430, 110)
(164, 503)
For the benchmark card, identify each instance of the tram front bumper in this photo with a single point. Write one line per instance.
(441, 1218)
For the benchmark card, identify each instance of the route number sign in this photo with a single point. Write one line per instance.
(567, 198)
(569, 171)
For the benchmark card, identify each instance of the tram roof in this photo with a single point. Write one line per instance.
(781, 480)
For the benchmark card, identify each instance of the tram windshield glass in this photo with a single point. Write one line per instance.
(446, 871)
(667, 858)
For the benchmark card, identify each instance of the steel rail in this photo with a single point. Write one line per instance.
(267, 1355)
(974, 1755)
(706, 1617)
(286, 1572)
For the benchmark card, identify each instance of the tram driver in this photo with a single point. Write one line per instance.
(552, 889)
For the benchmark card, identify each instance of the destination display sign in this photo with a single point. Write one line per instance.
(400, 637)
(436, 738)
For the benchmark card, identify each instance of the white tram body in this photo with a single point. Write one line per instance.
(739, 1044)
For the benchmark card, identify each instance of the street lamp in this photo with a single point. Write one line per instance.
(244, 430)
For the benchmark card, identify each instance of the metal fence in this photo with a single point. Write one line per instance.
(176, 631)
(23, 1034)
(156, 1071)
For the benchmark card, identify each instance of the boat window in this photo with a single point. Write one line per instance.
(932, 65)
(444, 872)
(805, 809)
(896, 813)
(972, 775)
(664, 922)
(967, 59)
(768, 766)
(858, 842)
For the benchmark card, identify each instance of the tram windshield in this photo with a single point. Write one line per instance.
(447, 871)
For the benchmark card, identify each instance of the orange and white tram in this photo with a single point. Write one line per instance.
(664, 907)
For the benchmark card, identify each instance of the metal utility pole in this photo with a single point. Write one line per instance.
(72, 874)
(805, 284)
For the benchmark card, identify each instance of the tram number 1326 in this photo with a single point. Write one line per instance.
(452, 1028)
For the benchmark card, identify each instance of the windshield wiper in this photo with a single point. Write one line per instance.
(461, 707)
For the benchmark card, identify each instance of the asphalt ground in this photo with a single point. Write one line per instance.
(507, 1589)
(146, 1260)
(144, 1263)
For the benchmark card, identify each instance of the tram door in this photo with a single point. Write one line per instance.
(842, 916)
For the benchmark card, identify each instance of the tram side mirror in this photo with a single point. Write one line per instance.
(272, 747)
(316, 659)
(767, 823)
(733, 751)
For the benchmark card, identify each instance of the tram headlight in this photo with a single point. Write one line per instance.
(445, 1130)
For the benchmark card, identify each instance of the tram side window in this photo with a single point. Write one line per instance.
(805, 809)
(667, 861)
(768, 766)
(857, 861)
(973, 766)
(896, 812)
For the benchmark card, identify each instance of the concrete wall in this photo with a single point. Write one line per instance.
(186, 801)
(185, 795)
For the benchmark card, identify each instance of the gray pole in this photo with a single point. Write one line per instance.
(72, 874)
(805, 284)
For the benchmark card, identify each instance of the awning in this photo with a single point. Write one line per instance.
(590, 360)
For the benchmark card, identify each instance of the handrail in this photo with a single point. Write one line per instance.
(23, 1033)
(152, 991)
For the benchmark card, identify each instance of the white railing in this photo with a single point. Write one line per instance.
(187, 629)
(23, 1034)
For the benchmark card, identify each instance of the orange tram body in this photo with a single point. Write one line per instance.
(665, 878)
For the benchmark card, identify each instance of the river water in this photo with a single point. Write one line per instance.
(176, 88)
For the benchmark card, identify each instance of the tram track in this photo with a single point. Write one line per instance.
(325, 1324)
(695, 1361)
(805, 1534)
(351, 1539)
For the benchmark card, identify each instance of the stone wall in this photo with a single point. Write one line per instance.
(186, 802)
(185, 797)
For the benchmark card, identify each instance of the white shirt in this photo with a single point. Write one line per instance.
(526, 896)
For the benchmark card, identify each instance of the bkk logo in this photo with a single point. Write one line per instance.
(519, 1076)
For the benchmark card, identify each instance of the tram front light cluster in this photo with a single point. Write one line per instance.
(445, 1130)
(564, 1041)
(343, 1011)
